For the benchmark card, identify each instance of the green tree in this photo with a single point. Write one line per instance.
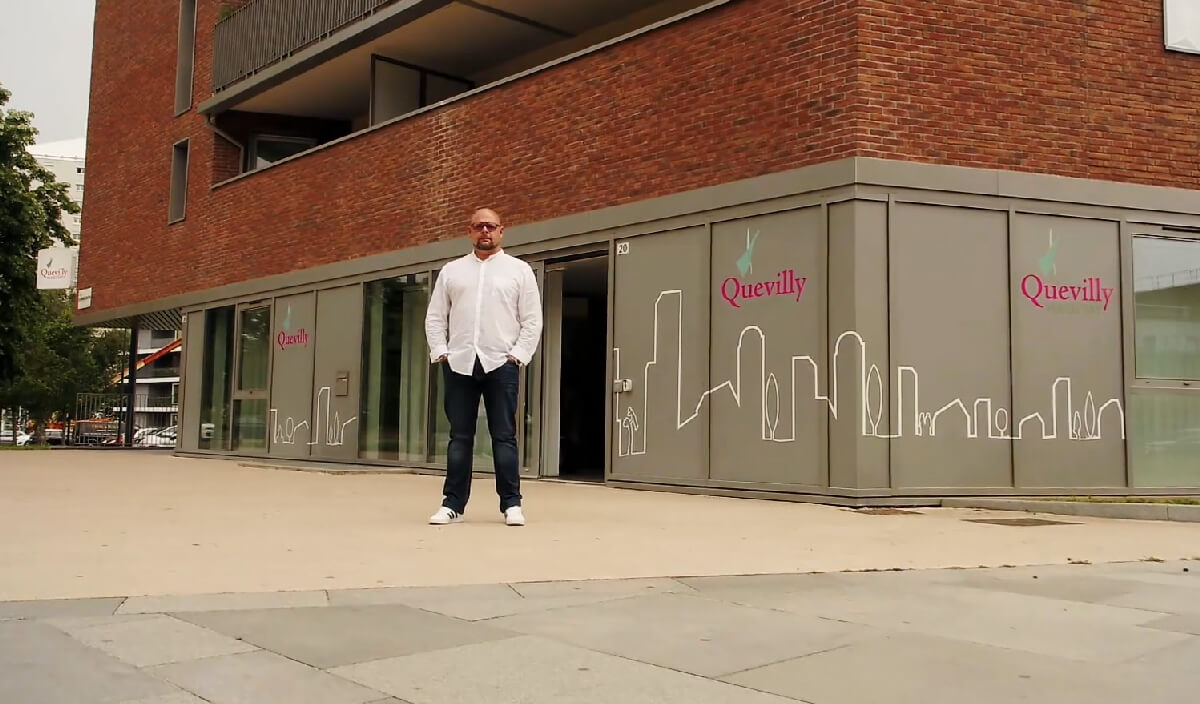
(32, 203)
(60, 360)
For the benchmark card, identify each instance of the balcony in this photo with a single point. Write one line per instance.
(291, 75)
(264, 32)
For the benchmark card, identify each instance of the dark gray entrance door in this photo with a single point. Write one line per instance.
(660, 356)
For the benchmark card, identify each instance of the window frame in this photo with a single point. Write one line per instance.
(1138, 379)
(252, 144)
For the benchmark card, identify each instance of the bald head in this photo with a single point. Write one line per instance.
(485, 231)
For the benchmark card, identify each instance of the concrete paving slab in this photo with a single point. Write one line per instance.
(685, 633)
(601, 587)
(910, 668)
(58, 607)
(71, 625)
(221, 602)
(40, 665)
(94, 509)
(1080, 588)
(480, 602)
(1087, 632)
(158, 641)
(1177, 623)
(176, 698)
(341, 635)
(530, 669)
(1175, 664)
(259, 677)
(1160, 597)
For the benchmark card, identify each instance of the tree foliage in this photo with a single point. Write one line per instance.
(38, 365)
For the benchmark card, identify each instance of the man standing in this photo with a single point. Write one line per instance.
(483, 324)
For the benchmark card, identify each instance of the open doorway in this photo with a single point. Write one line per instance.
(576, 414)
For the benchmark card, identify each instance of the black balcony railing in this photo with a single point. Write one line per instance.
(263, 32)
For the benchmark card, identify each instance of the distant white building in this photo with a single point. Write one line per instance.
(65, 160)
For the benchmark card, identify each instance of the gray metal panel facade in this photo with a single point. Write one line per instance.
(192, 380)
(1067, 352)
(769, 366)
(661, 347)
(949, 346)
(294, 421)
(935, 372)
(337, 368)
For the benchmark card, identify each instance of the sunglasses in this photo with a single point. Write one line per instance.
(484, 226)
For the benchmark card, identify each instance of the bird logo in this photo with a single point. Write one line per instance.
(745, 263)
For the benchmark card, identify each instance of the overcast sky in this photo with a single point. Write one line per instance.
(46, 62)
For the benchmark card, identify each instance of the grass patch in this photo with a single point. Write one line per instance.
(1183, 500)
(22, 448)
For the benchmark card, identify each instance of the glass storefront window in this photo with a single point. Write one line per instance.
(254, 348)
(254, 366)
(250, 424)
(1164, 422)
(396, 369)
(1164, 437)
(215, 385)
(1166, 280)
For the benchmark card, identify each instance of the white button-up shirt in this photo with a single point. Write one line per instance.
(485, 309)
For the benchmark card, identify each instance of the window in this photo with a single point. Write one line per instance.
(78, 169)
(268, 149)
(215, 382)
(1164, 414)
(253, 371)
(394, 416)
(186, 56)
(1166, 284)
(179, 172)
(398, 88)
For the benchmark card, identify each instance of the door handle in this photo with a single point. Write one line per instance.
(622, 385)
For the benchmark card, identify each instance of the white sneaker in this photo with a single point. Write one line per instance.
(514, 517)
(445, 515)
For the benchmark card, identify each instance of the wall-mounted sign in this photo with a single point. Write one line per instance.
(85, 298)
(1047, 290)
(287, 337)
(56, 268)
(1181, 25)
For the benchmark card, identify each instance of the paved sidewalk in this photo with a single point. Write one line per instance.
(1094, 634)
(114, 524)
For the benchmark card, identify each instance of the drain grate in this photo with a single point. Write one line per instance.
(1023, 522)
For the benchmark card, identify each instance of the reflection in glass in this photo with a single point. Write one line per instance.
(250, 424)
(393, 416)
(214, 390)
(254, 349)
(1164, 438)
(1166, 281)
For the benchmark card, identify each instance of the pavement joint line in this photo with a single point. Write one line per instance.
(511, 586)
(783, 660)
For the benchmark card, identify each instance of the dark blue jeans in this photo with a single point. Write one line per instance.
(499, 392)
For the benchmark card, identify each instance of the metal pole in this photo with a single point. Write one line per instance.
(132, 398)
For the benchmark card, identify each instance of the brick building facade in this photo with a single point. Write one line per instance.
(689, 114)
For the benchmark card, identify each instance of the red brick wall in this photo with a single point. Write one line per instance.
(1078, 88)
(1070, 87)
(755, 87)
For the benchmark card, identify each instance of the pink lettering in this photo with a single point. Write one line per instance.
(785, 283)
(730, 298)
(1033, 297)
(1092, 290)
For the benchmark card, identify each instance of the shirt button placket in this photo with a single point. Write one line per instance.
(479, 308)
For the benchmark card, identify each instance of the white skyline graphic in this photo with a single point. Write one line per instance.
(335, 429)
(1082, 424)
